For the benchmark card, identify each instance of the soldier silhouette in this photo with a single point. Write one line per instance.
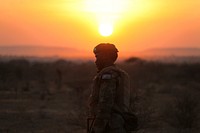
(110, 96)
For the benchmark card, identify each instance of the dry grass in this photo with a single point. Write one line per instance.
(52, 97)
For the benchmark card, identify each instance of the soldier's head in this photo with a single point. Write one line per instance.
(106, 55)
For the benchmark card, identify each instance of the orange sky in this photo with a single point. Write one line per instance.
(139, 25)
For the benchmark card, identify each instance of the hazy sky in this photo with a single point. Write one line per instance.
(138, 24)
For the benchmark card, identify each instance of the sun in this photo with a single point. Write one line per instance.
(105, 29)
(115, 12)
(106, 13)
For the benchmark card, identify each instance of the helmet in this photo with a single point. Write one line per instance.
(105, 47)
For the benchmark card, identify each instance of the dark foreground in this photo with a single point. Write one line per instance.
(42, 97)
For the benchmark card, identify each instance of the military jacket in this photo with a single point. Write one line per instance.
(110, 92)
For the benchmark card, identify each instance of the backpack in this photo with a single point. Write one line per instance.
(131, 120)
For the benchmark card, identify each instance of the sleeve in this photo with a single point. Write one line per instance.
(106, 96)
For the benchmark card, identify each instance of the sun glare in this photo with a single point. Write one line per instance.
(106, 6)
(106, 13)
(105, 29)
(114, 12)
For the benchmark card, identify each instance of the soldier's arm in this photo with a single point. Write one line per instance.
(106, 102)
(106, 96)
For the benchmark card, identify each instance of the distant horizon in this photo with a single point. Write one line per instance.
(73, 54)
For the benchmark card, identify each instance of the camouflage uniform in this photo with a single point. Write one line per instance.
(110, 94)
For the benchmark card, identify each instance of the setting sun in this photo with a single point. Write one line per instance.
(105, 29)
(106, 12)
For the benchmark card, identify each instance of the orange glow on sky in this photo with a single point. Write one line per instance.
(137, 24)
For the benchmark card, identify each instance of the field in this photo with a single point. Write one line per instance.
(51, 97)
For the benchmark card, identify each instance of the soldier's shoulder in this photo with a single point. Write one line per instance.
(123, 72)
(109, 73)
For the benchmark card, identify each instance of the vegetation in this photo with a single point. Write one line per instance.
(51, 97)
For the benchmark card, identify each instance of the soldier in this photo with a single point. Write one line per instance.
(110, 95)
